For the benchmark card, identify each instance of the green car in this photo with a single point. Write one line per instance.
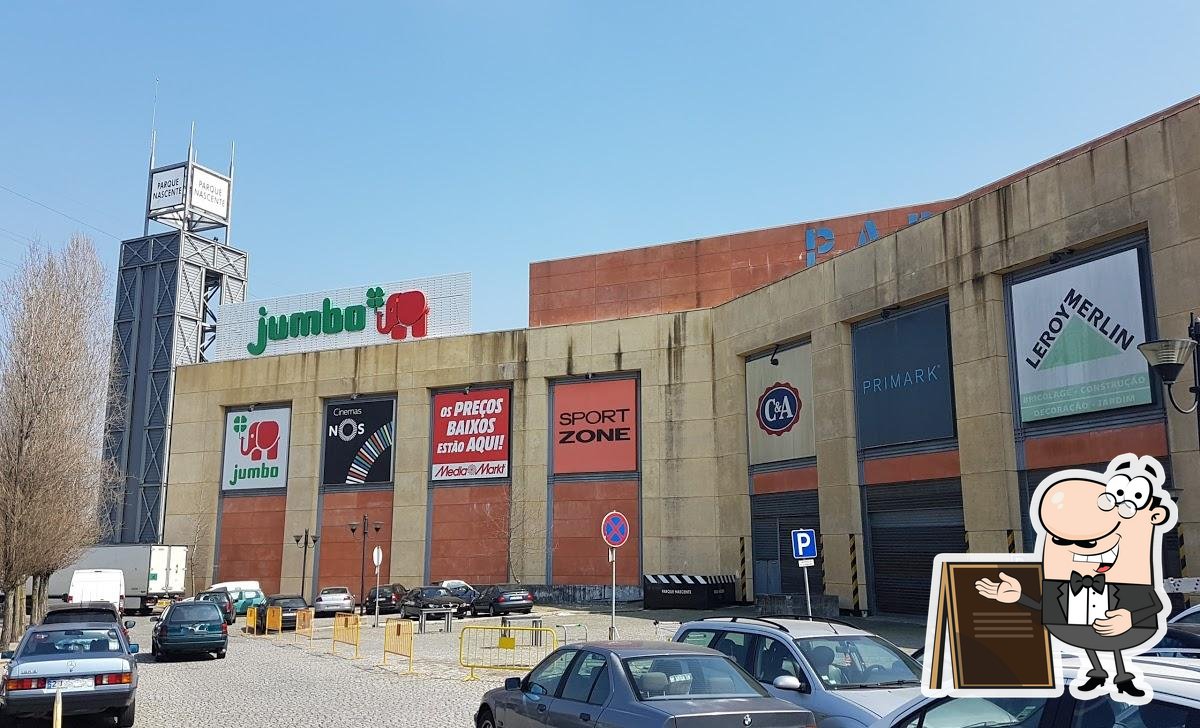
(246, 598)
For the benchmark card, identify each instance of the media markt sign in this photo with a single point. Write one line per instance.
(358, 316)
(1076, 334)
(256, 448)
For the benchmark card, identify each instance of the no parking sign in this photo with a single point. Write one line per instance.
(614, 529)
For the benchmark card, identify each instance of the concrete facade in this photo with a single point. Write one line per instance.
(695, 507)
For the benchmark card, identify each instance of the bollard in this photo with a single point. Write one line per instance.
(56, 717)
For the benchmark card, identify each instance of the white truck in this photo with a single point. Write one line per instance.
(152, 572)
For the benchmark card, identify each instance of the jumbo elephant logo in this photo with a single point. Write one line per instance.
(259, 439)
(256, 448)
(403, 313)
(399, 315)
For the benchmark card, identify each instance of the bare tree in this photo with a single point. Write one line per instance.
(197, 533)
(521, 524)
(55, 484)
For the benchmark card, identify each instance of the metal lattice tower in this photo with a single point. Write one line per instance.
(168, 287)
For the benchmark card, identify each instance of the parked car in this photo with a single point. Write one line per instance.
(430, 597)
(1191, 615)
(222, 599)
(243, 599)
(232, 586)
(194, 627)
(388, 597)
(844, 675)
(333, 599)
(88, 612)
(501, 599)
(1176, 704)
(90, 662)
(465, 592)
(636, 684)
(289, 603)
(98, 585)
(1182, 639)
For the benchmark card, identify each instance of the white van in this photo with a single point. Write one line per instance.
(98, 585)
(233, 586)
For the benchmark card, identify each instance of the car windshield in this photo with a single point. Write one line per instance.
(335, 590)
(72, 642)
(857, 661)
(291, 603)
(214, 597)
(63, 616)
(435, 591)
(194, 612)
(683, 677)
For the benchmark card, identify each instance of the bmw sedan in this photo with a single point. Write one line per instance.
(640, 685)
(90, 662)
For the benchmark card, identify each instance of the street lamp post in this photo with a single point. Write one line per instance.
(1168, 357)
(304, 541)
(362, 578)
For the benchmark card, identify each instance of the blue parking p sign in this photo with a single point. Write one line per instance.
(804, 543)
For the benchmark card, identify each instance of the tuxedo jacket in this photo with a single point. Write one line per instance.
(1140, 599)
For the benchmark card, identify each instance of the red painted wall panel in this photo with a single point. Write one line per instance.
(1095, 447)
(469, 535)
(579, 555)
(911, 468)
(341, 556)
(252, 540)
(785, 481)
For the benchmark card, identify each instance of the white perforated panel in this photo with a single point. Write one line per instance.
(238, 334)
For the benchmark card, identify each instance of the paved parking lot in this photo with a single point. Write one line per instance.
(285, 682)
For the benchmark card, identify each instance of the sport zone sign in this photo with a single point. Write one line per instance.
(256, 448)
(595, 426)
(1076, 333)
(470, 434)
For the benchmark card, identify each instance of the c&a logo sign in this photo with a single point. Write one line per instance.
(779, 409)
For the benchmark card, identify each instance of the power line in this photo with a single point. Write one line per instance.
(58, 212)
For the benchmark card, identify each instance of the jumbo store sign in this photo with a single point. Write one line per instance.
(595, 426)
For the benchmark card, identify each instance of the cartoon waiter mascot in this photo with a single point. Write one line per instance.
(1099, 536)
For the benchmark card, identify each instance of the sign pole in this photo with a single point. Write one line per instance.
(612, 626)
(807, 598)
(377, 558)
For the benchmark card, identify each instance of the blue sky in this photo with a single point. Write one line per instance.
(410, 139)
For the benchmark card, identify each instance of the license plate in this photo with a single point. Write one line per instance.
(71, 683)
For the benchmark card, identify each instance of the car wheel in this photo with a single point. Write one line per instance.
(485, 719)
(126, 717)
(491, 611)
(154, 650)
(221, 655)
(527, 611)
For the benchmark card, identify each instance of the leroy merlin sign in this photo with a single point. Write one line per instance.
(1076, 333)
(348, 317)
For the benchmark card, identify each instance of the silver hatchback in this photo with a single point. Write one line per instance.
(334, 599)
(89, 662)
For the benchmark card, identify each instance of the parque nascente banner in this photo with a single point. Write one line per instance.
(1076, 333)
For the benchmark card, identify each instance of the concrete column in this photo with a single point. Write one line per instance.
(837, 467)
(983, 404)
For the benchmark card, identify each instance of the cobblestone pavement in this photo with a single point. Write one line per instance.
(285, 682)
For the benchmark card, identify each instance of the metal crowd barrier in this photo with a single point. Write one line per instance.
(565, 634)
(504, 648)
(398, 639)
(347, 628)
(304, 624)
(251, 626)
(274, 620)
(665, 630)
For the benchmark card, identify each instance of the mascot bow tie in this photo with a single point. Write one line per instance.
(1080, 582)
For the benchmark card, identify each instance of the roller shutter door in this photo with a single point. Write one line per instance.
(773, 517)
(908, 525)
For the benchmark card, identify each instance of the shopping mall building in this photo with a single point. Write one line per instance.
(898, 381)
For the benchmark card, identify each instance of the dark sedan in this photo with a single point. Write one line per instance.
(640, 685)
(1180, 640)
(430, 597)
(88, 612)
(290, 604)
(501, 599)
(222, 599)
(387, 597)
(190, 628)
(89, 662)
